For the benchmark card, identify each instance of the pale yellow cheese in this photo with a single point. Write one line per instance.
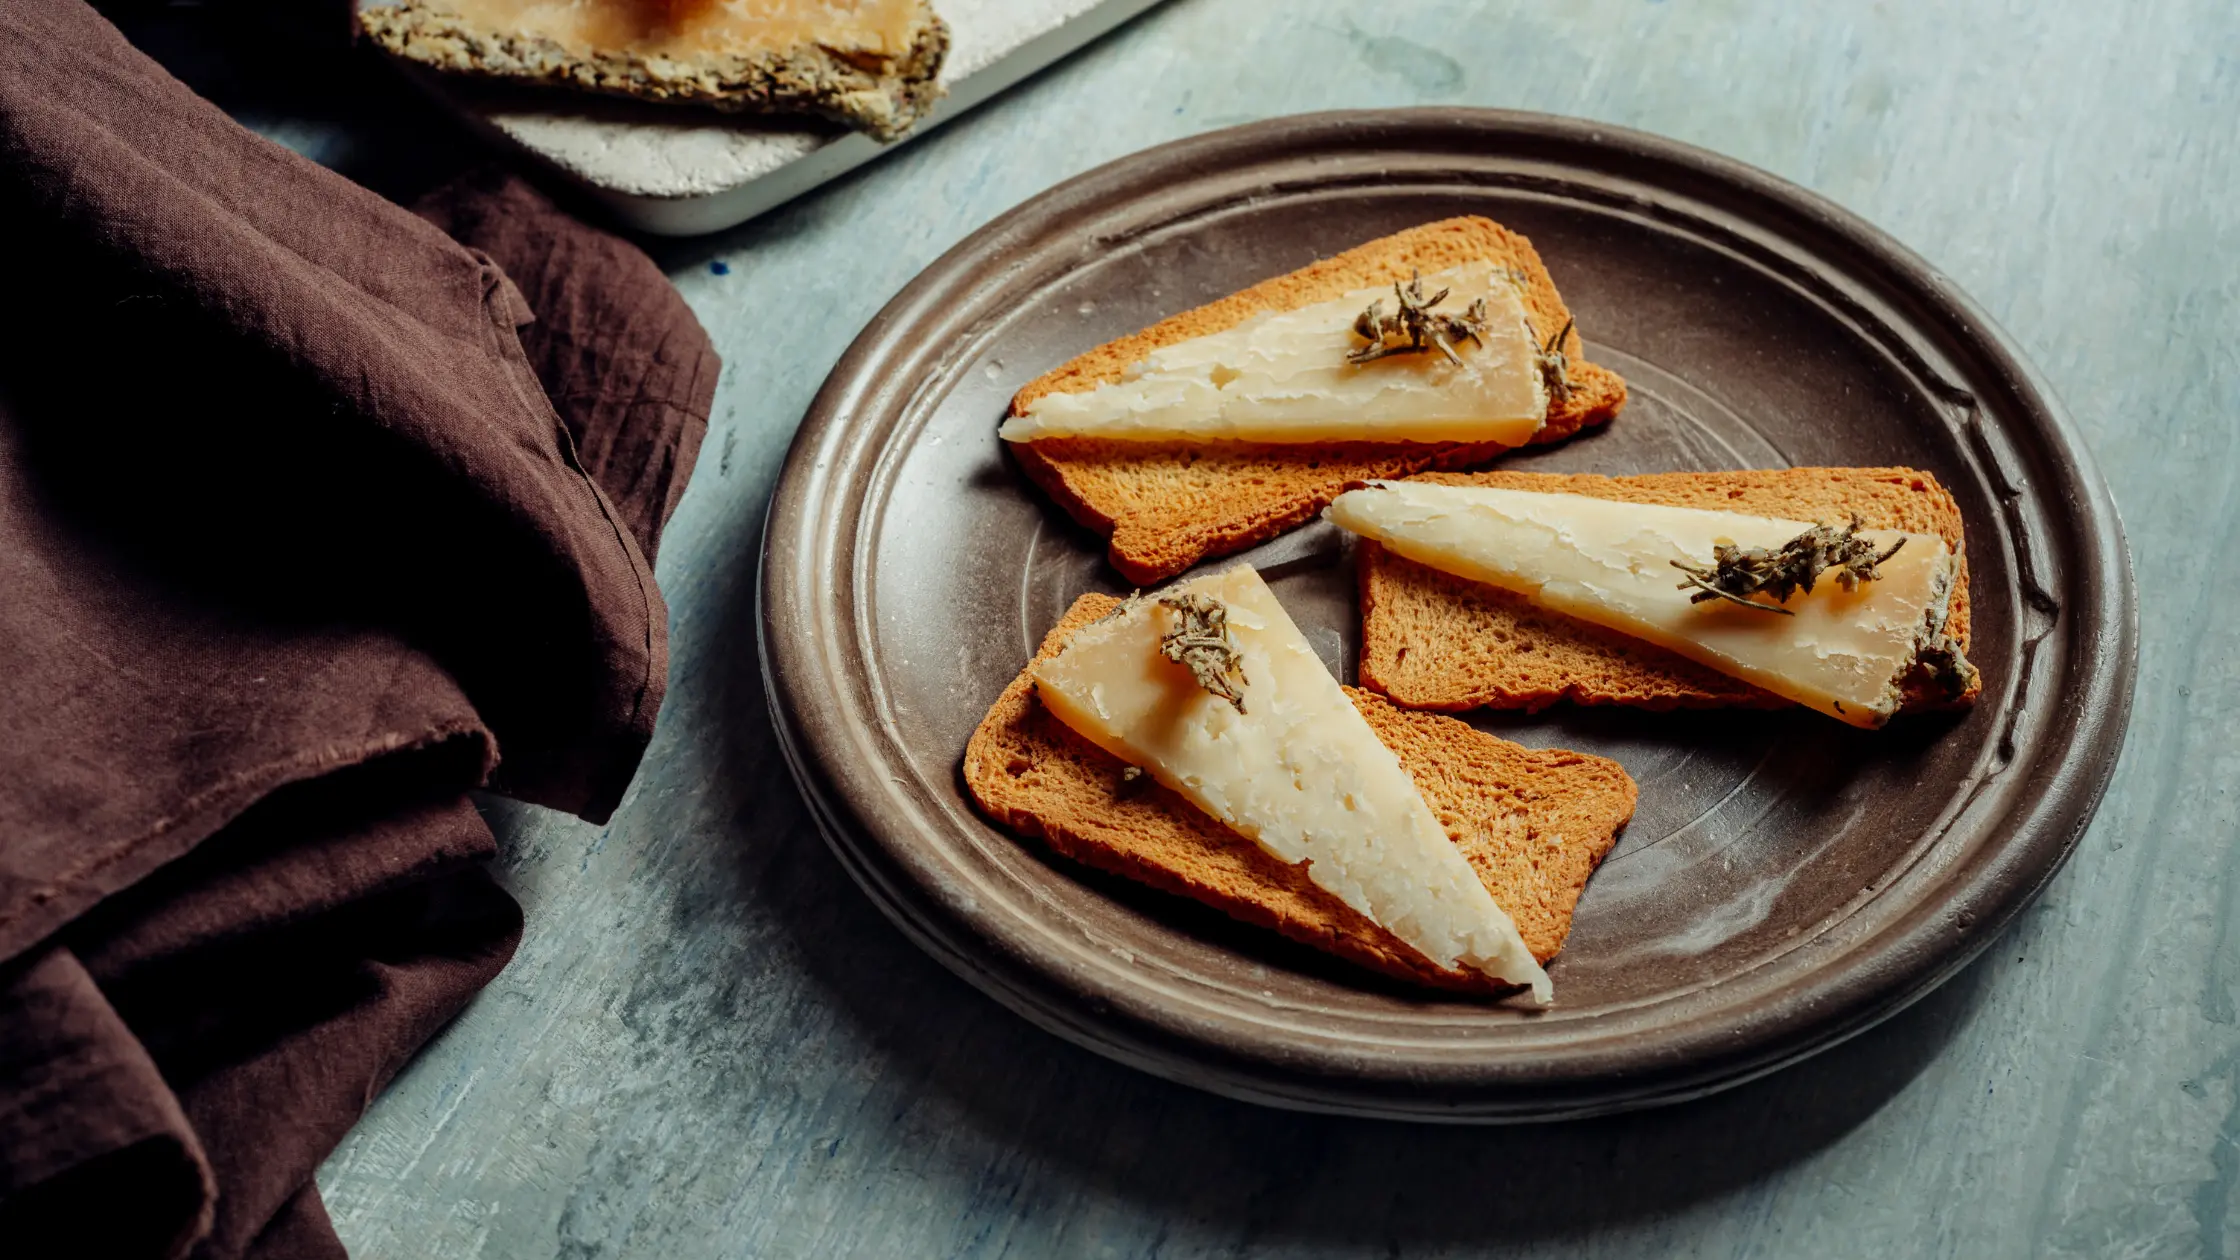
(1844, 653)
(1283, 377)
(1298, 771)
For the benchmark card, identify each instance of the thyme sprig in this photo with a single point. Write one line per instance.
(1415, 327)
(1200, 641)
(1945, 665)
(1555, 367)
(1741, 572)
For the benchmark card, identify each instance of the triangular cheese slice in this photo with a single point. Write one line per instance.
(1297, 770)
(1283, 376)
(1845, 653)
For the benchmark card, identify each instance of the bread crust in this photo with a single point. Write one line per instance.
(1167, 506)
(1431, 640)
(1533, 824)
(881, 96)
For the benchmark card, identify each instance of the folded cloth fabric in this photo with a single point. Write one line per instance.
(312, 518)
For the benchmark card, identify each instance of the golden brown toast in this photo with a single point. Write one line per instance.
(872, 66)
(1431, 640)
(1166, 506)
(1533, 824)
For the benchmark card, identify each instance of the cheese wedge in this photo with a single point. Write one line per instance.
(1283, 376)
(1297, 771)
(1845, 653)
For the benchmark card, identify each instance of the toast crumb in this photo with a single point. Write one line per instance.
(1534, 824)
(1431, 640)
(1167, 506)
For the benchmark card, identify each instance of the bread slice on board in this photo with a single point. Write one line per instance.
(870, 65)
(1166, 506)
(1431, 640)
(1534, 824)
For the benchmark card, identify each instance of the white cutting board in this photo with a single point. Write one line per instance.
(685, 172)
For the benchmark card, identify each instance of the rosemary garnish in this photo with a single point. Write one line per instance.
(1946, 666)
(1133, 601)
(1741, 572)
(1200, 641)
(1555, 368)
(1417, 326)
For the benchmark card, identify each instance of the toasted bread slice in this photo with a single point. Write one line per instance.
(871, 66)
(1533, 824)
(1166, 506)
(1431, 640)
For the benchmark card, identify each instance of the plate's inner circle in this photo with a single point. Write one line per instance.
(1754, 830)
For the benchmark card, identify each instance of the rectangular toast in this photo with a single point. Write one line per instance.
(1167, 506)
(1533, 824)
(1431, 640)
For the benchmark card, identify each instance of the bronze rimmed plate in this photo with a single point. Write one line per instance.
(1787, 882)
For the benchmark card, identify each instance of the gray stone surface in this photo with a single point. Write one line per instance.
(711, 1045)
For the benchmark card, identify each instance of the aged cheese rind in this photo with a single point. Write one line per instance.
(1845, 653)
(1283, 376)
(1299, 772)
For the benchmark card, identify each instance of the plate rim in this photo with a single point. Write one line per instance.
(1877, 976)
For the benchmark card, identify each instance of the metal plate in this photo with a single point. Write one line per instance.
(1787, 882)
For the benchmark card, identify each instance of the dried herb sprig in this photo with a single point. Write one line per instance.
(1200, 640)
(1133, 601)
(1555, 367)
(1741, 572)
(1416, 326)
(1945, 665)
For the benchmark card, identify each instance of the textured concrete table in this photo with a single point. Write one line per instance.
(711, 1045)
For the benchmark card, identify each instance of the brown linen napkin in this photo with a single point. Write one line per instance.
(294, 550)
(628, 367)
